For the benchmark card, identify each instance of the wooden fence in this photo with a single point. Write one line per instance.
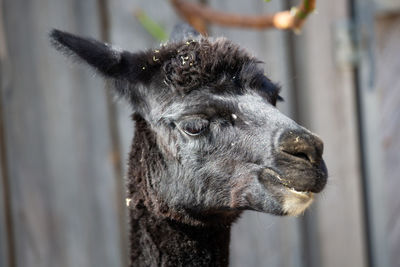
(64, 140)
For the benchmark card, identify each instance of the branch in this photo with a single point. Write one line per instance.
(198, 15)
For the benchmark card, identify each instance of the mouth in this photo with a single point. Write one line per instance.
(294, 202)
(301, 183)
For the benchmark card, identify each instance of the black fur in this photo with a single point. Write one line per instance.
(209, 143)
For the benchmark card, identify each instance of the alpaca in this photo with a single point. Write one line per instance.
(208, 143)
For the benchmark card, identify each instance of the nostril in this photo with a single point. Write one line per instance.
(302, 145)
(301, 155)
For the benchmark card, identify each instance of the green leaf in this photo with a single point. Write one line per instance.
(267, 0)
(151, 26)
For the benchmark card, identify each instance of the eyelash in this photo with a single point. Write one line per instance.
(193, 127)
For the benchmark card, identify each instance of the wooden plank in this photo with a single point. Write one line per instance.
(387, 86)
(62, 188)
(5, 236)
(327, 106)
(373, 155)
(6, 258)
(4, 241)
(261, 239)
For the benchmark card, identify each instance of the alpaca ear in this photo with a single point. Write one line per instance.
(106, 60)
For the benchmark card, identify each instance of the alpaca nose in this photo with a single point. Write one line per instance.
(302, 145)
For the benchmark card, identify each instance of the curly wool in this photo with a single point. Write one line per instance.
(200, 63)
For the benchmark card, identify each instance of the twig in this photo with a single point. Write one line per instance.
(197, 15)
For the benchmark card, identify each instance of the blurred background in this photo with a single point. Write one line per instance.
(64, 140)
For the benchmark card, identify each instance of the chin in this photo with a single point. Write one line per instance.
(295, 202)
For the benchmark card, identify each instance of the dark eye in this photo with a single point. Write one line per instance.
(193, 127)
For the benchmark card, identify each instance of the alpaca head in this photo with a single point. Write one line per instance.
(225, 145)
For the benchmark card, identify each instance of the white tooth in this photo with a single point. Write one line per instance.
(302, 193)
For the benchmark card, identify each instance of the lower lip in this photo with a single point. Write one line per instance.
(274, 174)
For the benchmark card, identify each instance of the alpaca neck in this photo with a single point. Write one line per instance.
(160, 238)
(163, 242)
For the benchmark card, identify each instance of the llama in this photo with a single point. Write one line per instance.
(208, 143)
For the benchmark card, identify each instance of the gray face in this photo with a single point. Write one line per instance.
(236, 152)
(226, 146)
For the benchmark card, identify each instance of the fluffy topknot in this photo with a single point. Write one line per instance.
(198, 63)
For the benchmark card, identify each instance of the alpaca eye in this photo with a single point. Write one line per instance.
(193, 127)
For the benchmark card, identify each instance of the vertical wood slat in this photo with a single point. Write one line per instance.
(373, 154)
(58, 143)
(6, 256)
(261, 239)
(388, 86)
(4, 236)
(105, 33)
(379, 105)
(327, 106)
